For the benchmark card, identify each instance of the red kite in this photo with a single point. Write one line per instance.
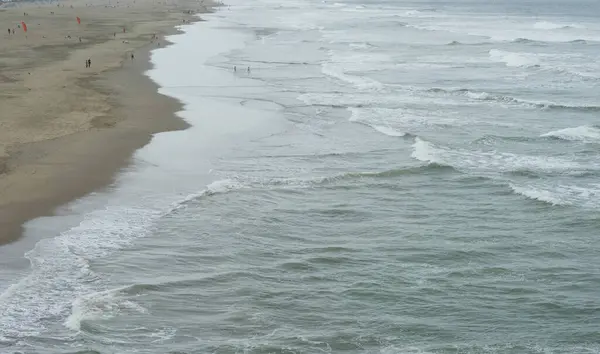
(78, 20)
(24, 26)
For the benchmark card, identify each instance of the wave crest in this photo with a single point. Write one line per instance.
(486, 96)
(491, 163)
(217, 187)
(561, 195)
(98, 305)
(583, 133)
(547, 25)
(514, 59)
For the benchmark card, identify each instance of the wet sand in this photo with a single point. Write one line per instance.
(65, 129)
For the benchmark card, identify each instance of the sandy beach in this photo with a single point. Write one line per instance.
(65, 129)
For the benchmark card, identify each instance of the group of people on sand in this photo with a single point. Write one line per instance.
(9, 31)
(88, 63)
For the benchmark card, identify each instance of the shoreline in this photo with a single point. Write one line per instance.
(39, 176)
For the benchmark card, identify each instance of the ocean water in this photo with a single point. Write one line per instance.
(389, 177)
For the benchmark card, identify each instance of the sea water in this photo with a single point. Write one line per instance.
(374, 177)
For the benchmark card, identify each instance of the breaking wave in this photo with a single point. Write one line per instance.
(546, 25)
(485, 96)
(60, 267)
(217, 187)
(99, 305)
(514, 59)
(490, 163)
(388, 131)
(504, 167)
(561, 195)
(360, 82)
(583, 133)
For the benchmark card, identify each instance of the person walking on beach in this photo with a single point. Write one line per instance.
(132, 57)
(86, 64)
(89, 61)
(248, 70)
(234, 68)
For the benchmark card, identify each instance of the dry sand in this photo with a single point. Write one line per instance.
(66, 129)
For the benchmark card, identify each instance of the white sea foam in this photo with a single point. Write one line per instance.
(547, 25)
(377, 123)
(424, 151)
(477, 95)
(396, 122)
(587, 196)
(62, 285)
(217, 187)
(99, 305)
(424, 13)
(360, 82)
(489, 163)
(404, 119)
(514, 59)
(501, 30)
(356, 99)
(583, 133)
(388, 130)
(60, 269)
(506, 99)
(538, 194)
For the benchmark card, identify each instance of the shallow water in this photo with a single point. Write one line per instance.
(414, 177)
